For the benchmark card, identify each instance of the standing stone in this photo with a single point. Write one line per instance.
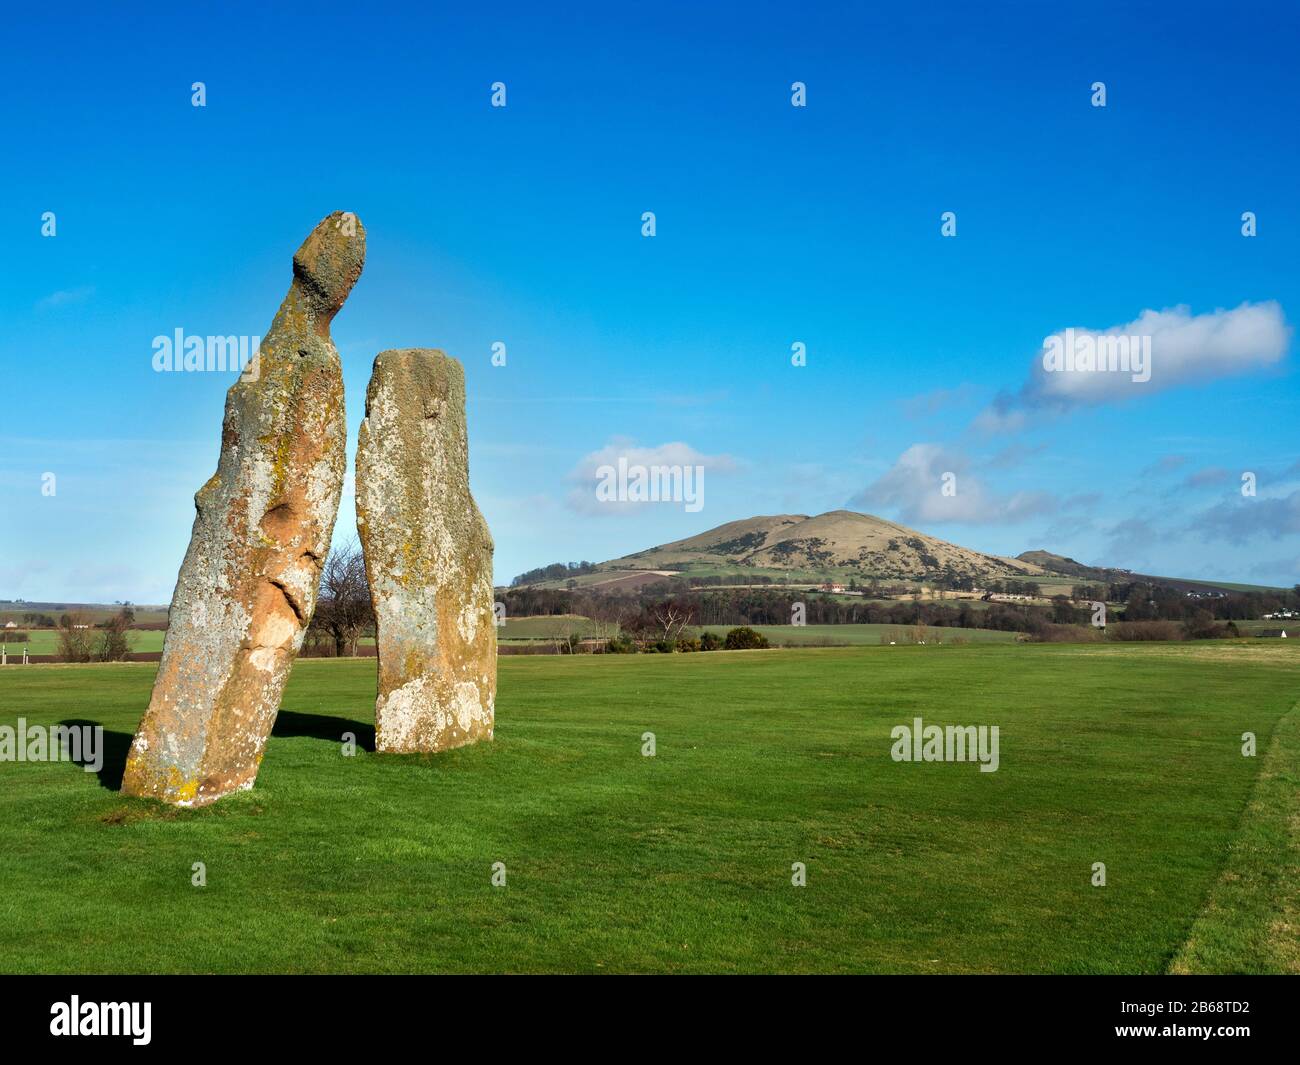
(247, 588)
(428, 557)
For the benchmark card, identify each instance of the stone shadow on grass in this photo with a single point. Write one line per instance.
(323, 727)
(117, 745)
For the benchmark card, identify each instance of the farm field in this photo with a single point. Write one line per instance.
(616, 862)
(1291, 626)
(528, 629)
(46, 641)
(95, 613)
(861, 635)
(544, 627)
(1227, 586)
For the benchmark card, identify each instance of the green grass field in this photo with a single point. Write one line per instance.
(95, 613)
(544, 627)
(1288, 625)
(863, 635)
(46, 641)
(1228, 586)
(530, 629)
(1122, 754)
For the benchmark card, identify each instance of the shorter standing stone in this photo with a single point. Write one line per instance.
(428, 557)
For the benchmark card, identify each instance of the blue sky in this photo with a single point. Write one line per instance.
(775, 225)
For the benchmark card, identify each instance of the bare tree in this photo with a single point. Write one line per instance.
(74, 638)
(344, 610)
(606, 619)
(114, 644)
(673, 620)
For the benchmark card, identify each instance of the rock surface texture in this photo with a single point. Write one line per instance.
(248, 585)
(428, 557)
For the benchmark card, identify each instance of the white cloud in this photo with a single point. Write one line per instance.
(1131, 542)
(587, 474)
(1279, 571)
(1184, 349)
(1015, 455)
(928, 404)
(64, 297)
(1246, 519)
(914, 490)
(1209, 477)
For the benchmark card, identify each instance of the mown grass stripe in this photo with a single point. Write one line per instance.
(1250, 922)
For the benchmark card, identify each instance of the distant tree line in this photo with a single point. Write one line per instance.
(763, 606)
(1191, 617)
(1161, 602)
(554, 572)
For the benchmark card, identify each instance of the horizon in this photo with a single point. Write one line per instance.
(780, 231)
(505, 584)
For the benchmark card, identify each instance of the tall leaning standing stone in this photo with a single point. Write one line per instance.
(428, 557)
(247, 587)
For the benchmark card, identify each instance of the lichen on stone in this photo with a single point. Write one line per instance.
(428, 557)
(247, 587)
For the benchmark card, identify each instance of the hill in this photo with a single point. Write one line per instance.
(843, 545)
(1051, 563)
(840, 542)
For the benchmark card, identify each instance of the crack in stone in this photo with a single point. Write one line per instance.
(294, 605)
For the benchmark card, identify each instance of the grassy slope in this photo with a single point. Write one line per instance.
(1251, 921)
(1227, 586)
(1291, 626)
(1122, 754)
